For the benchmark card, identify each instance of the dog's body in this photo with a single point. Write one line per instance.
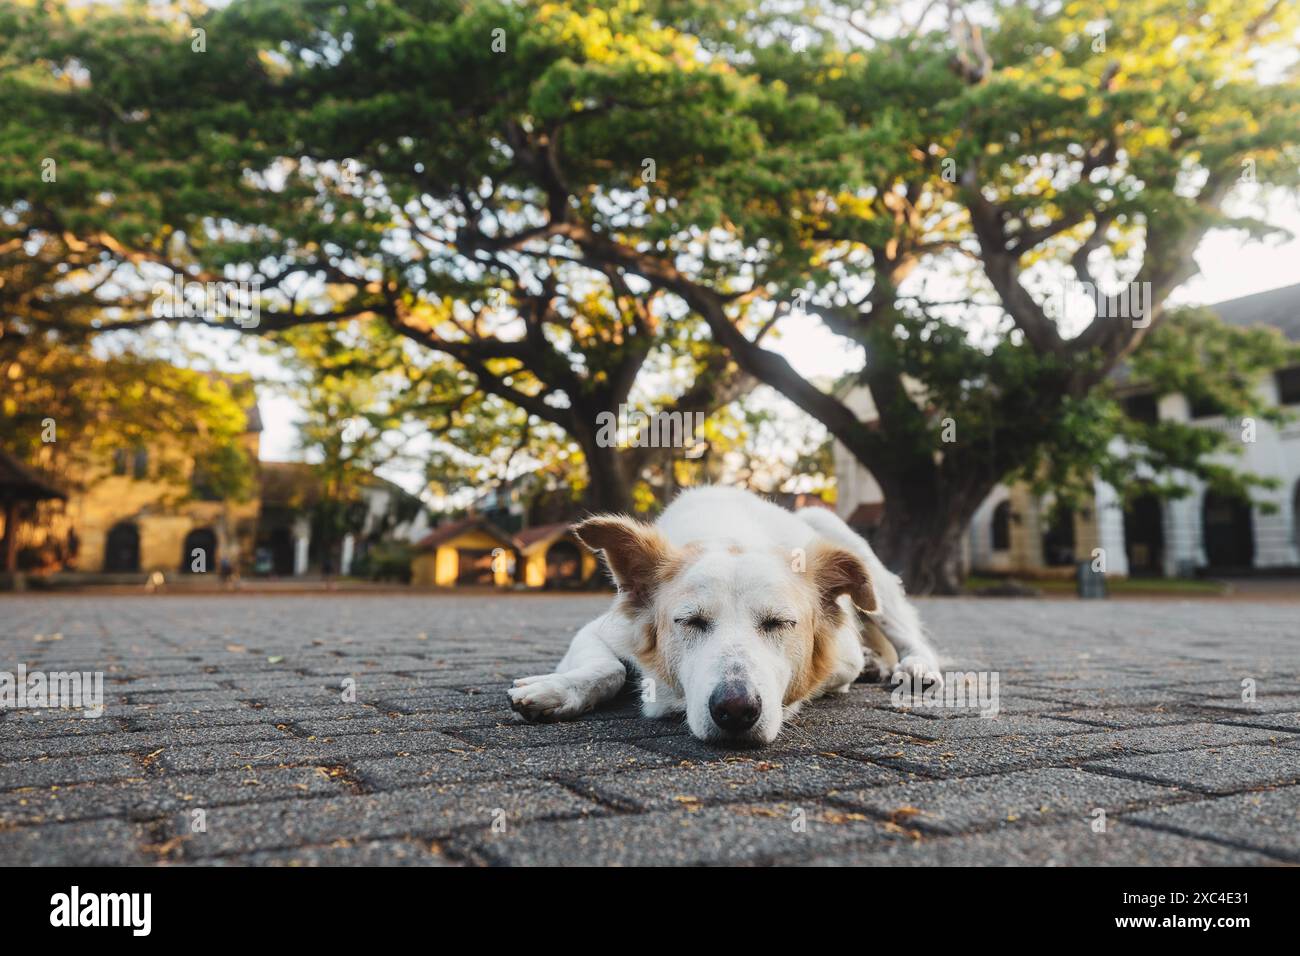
(734, 611)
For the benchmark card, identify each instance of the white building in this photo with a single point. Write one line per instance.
(1011, 530)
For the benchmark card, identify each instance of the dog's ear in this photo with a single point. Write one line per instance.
(638, 556)
(837, 571)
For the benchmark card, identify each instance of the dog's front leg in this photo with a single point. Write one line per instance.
(589, 674)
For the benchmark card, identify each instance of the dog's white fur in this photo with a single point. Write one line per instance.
(729, 587)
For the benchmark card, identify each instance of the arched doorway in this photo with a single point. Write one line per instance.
(203, 540)
(1228, 530)
(1144, 536)
(1002, 527)
(563, 565)
(1058, 540)
(122, 550)
(282, 551)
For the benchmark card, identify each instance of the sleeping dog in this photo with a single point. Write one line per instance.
(733, 611)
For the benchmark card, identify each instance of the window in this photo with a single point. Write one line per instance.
(1288, 386)
(1142, 408)
(119, 461)
(1002, 527)
(1203, 406)
(140, 464)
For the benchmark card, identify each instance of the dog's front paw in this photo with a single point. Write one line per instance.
(546, 698)
(874, 671)
(919, 671)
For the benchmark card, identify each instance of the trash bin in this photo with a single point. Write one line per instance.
(1092, 583)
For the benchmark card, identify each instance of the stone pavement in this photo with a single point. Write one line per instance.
(231, 712)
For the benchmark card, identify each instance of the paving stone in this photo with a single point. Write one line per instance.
(1267, 821)
(368, 722)
(1071, 844)
(972, 755)
(270, 752)
(345, 853)
(735, 780)
(794, 740)
(20, 730)
(149, 798)
(1289, 723)
(131, 798)
(519, 734)
(457, 766)
(60, 770)
(951, 806)
(736, 834)
(137, 742)
(101, 843)
(1224, 770)
(1129, 718)
(425, 813)
(968, 728)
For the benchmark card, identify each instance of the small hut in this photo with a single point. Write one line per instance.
(472, 551)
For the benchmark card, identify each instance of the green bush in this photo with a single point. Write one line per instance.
(386, 561)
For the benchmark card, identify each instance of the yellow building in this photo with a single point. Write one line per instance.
(472, 551)
(146, 511)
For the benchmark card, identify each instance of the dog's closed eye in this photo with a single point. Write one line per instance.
(774, 623)
(696, 622)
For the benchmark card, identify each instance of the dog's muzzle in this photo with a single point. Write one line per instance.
(734, 708)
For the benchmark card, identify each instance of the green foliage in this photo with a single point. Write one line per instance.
(385, 561)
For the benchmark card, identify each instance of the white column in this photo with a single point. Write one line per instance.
(1110, 528)
(345, 559)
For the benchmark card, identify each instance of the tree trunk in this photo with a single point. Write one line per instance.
(925, 551)
(607, 486)
(11, 537)
(921, 541)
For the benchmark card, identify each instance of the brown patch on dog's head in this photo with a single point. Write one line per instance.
(818, 661)
(638, 556)
(650, 655)
(832, 571)
(835, 571)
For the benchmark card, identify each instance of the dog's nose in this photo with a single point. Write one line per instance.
(734, 708)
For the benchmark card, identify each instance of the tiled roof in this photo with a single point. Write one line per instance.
(1276, 307)
(454, 529)
(541, 534)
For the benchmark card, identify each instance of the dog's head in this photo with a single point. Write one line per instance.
(739, 634)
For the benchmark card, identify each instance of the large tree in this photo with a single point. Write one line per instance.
(1056, 152)
(339, 156)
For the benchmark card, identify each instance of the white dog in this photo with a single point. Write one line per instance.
(733, 611)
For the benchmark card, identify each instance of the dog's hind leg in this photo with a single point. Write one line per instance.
(589, 674)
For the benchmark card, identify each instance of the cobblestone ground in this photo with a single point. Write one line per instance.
(1128, 712)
